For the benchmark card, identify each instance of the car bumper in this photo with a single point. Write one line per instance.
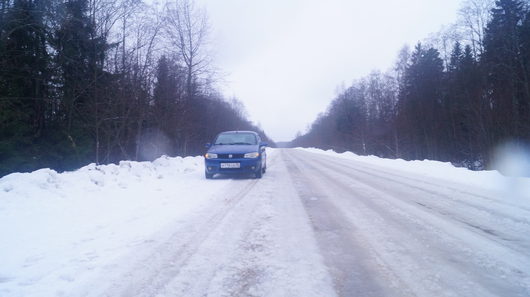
(245, 166)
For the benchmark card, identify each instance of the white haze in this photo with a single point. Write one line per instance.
(512, 159)
(286, 59)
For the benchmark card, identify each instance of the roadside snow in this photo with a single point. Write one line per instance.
(59, 230)
(115, 228)
(156, 229)
(517, 189)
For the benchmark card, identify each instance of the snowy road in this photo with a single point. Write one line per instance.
(384, 233)
(254, 240)
(321, 226)
(314, 225)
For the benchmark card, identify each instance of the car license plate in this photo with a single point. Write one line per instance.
(230, 165)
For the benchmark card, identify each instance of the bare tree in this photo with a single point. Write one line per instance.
(187, 28)
(444, 40)
(473, 17)
(401, 64)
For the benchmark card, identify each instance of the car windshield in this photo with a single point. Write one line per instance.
(236, 138)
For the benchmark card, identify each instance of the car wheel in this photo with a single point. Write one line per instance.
(208, 175)
(259, 173)
(264, 168)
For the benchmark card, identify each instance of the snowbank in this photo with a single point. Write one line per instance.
(515, 188)
(58, 230)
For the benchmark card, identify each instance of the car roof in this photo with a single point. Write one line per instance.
(231, 132)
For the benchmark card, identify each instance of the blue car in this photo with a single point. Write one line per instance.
(236, 152)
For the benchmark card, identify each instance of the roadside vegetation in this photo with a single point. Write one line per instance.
(454, 97)
(102, 80)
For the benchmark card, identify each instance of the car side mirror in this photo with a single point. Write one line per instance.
(208, 145)
(263, 144)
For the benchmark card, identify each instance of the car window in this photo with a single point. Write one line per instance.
(236, 138)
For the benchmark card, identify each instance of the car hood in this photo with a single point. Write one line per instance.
(233, 149)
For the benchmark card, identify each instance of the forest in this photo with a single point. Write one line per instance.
(455, 97)
(101, 81)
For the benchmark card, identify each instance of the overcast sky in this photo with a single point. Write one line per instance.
(285, 59)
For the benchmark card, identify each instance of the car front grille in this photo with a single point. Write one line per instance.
(234, 156)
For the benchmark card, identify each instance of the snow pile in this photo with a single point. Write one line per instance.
(59, 230)
(514, 188)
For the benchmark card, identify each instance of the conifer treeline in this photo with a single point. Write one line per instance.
(456, 107)
(102, 80)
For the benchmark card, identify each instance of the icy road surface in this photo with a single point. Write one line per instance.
(314, 225)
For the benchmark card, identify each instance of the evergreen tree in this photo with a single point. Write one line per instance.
(419, 105)
(24, 79)
(456, 57)
(505, 67)
(350, 114)
(464, 108)
(524, 37)
(458, 114)
(79, 60)
(166, 112)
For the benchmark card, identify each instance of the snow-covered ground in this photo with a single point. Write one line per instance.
(317, 224)
(421, 228)
(60, 231)
(515, 189)
(118, 230)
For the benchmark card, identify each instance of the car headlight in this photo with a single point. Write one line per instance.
(210, 156)
(251, 155)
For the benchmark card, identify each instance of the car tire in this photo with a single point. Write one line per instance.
(208, 175)
(264, 168)
(259, 174)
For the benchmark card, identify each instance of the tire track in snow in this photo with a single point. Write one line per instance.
(503, 208)
(258, 244)
(386, 209)
(441, 203)
(153, 272)
(267, 249)
(356, 270)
